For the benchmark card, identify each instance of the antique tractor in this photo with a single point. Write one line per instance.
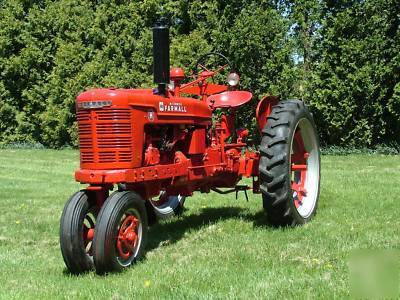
(158, 146)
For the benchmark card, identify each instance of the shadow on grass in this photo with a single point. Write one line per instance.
(174, 230)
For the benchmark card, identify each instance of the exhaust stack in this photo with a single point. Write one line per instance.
(161, 64)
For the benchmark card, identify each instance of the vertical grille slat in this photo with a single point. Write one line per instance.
(105, 135)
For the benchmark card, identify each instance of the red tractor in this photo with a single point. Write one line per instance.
(160, 145)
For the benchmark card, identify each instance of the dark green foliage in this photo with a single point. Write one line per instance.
(349, 150)
(52, 50)
(342, 57)
(356, 78)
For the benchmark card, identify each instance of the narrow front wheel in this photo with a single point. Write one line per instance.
(121, 232)
(76, 232)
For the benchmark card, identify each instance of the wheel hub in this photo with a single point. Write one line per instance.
(127, 237)
(88, 234)
(88, 231)
(299, 169)
(131, 237)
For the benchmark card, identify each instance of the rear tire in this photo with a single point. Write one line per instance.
(168, 206)
(77, 219)
(121, 232)
(289, 165)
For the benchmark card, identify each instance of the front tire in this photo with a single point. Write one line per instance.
(76, 232)
(121, 232)
(290, 165)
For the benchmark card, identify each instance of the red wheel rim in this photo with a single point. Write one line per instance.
(299, 168)
(128, 237)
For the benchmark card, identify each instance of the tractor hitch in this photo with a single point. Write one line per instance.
(236, 190)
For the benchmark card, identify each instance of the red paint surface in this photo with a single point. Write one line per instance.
(299, 168)
(118, 142)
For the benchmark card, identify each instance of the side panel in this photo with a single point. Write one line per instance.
(197, 141)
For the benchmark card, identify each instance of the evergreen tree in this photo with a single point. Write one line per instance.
(355, 83)
(341, 57)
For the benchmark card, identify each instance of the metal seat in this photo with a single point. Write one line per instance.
(229, 99)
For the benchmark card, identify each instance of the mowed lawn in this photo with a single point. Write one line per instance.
(219, 248)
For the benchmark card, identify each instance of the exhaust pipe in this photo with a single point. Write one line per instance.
(161, 64)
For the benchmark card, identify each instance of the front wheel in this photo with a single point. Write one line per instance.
(76, 232)
(290, 164)
(121, 232)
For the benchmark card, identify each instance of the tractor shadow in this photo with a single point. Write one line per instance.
(171, 231)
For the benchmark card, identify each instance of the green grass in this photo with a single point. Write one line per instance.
(220, 248)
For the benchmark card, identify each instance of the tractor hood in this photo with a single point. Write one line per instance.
(144, 99)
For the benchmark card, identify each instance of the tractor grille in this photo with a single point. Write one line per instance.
(105, 135)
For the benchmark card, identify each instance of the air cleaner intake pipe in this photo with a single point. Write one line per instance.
(161, 54)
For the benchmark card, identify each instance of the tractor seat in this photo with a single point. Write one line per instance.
(229, 99)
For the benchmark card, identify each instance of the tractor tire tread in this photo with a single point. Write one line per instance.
(266, 173)
(277, 140)
(104, 255)
(275, 182)
(281, 123)
(276, 160)
(266, 152)
(75, 258)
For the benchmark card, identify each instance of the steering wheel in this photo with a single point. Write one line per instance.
(201, 64)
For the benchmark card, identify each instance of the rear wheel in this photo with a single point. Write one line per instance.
(290, 164)
(166, 206)
(76, 232)
(121, 232)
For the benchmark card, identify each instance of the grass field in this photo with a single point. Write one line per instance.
(220, 248)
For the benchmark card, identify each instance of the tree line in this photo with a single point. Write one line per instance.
(341, 57)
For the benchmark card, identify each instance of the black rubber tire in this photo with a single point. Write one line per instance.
(106, 231)
(275, 169)
(151, 215)
(71, 231)
(171, 208)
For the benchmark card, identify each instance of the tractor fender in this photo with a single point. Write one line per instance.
(264, 109)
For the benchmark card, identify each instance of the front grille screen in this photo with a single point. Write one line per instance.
(105, 135)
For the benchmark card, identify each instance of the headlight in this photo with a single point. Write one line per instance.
(233, 79)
